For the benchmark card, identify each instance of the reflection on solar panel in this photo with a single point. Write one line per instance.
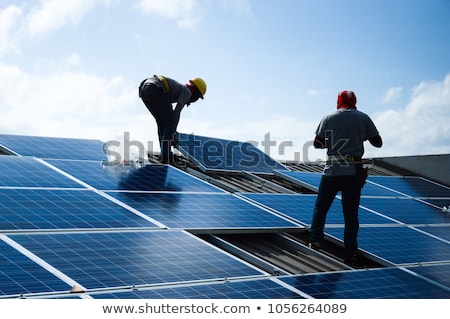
(376, 283)
(110, 259)
(300, 208)
(312, 182)
(412, 186)
(212, 211)
(406, 210)
(130, 177)
(437, 230)
(28, 209)
(225, 155)
(438, 273)
(248, 289)
(18, 171)
(20, 275)
(399, 245)
(53, 147)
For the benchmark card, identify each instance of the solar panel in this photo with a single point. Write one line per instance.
(399, 245)
(131, 177)
(202, 211)
(437, 273)
(49, 209)
(16, 171)
(248, 289)
(412, 186)
(386, 283)
(300, 208)
(213, 154)
(20, 275)
(440, 231)
(312, 182)
(124, 259)
(53, 147)
(406, 210)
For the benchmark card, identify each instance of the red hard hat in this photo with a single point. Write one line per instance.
(346, 99)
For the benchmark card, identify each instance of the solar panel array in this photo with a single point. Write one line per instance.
(71, 222)
(212, 154)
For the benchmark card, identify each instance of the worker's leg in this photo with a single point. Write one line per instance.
(351, 194)
(160, 107)
(327, 191)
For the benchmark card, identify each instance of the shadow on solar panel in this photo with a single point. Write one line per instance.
(225, 155)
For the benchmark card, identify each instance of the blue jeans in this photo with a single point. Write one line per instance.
(351, 193)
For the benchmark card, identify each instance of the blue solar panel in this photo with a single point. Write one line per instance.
(248, 289)
(387, 283)
(53, 147)
(16, 171)
(198, 210)
(306, 179)
(438, 273)
(123, 177)
(21, 275)
(225, 155)
(442, 232)
(412, 186)
(300, 208)
(115, 259)
(406, 210)
(27, 209)
(312, 182)
(399, 245)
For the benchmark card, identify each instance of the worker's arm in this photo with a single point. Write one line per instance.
(319, 142)
(376, 141)
(177, 113)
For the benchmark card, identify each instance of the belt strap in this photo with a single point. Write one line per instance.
(344, 158)
(165, 83)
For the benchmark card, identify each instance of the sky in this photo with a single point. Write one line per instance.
(71, 68)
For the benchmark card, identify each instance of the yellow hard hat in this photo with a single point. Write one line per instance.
(200, 84)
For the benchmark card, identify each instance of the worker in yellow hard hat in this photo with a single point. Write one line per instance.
(158, 93)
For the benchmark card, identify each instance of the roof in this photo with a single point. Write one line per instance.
(74, 224)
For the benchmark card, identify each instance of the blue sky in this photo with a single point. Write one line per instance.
(70, 68)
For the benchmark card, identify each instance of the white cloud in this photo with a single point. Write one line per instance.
(10, 28)
(54, 14)
(392, 94)
(185, 12)
(422, 127)
(66, 104)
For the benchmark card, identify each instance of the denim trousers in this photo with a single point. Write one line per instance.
(350, 197)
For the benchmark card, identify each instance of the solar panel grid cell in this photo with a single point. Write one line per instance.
(129, 177)
(41, 209)
(226, 155)
(248, 289)
(380, 283)
(406, 210)
(199, 210)
(100, 260)
(301, 207)
(16, 171)
(52, 147)
(399, 245)
(20, 275)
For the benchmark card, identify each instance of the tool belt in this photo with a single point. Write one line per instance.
(343, 159)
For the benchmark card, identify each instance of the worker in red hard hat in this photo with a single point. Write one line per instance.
(342, 133)
(158, 93)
